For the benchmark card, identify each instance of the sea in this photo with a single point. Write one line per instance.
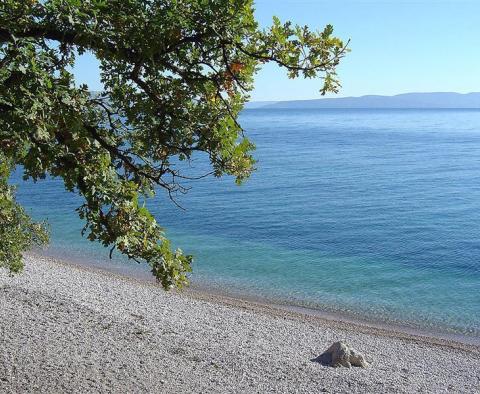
(369, 214)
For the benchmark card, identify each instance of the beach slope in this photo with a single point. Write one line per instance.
(70, 329)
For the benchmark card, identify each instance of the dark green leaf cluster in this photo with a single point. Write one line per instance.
(176, 75)
(17, 231)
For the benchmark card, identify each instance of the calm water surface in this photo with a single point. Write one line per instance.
(374, 213)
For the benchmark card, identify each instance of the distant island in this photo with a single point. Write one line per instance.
(406, 100)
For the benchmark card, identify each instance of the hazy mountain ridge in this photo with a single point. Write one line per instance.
(406, 100)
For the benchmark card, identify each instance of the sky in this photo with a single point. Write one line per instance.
(397, 46)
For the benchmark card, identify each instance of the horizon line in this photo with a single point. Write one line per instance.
(361, 96)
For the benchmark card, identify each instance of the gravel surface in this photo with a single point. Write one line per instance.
(70, 329)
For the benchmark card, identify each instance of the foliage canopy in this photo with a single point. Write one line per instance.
(176, 74)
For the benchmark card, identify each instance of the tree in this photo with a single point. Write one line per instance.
(176, 75)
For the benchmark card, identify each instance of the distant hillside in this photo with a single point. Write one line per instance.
(259, 104)
(407, 100)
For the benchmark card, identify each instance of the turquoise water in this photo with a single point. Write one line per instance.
(374, 213)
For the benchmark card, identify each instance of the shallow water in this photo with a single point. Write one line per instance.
(373, 213)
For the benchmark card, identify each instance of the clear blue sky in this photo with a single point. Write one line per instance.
(397, 46)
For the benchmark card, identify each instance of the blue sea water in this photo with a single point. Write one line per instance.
(371, 213)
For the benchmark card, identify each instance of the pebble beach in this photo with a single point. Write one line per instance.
(66, 328)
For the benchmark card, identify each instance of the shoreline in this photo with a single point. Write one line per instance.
(338, 319)
(241, 299)
(69, 328)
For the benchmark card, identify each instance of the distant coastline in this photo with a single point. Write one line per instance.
(440, 100)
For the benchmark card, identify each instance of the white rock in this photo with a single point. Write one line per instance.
(341, 354)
